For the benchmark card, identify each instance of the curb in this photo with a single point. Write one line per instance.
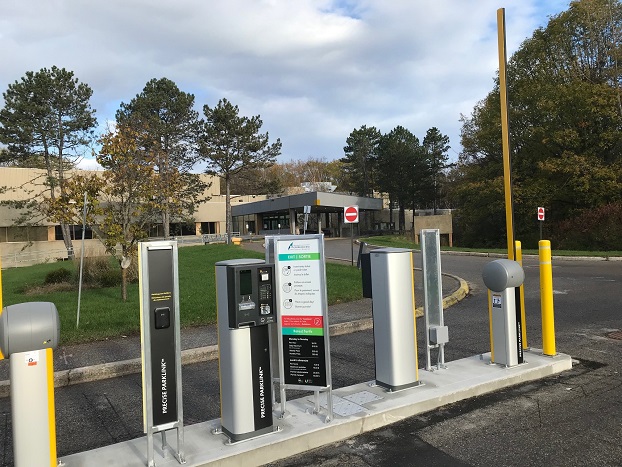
(485, 254)
(109, 370)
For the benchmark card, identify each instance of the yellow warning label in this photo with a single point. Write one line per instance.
(161, 296)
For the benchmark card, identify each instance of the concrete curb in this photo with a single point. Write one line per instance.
(485, 254)
(103, 371)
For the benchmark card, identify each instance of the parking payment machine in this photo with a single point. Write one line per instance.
(28, 333)
(502, 277)
(245, 289)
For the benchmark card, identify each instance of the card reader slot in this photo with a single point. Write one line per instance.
(247, 324)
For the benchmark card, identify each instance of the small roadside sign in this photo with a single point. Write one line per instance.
(351, 214)
(540, 213)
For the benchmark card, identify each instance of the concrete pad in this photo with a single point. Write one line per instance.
(302, 430)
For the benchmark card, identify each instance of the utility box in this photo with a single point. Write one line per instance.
(245, 308)
(502, 277)
(393, 309)
(28, 333)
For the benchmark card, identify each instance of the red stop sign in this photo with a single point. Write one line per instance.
(351, 214)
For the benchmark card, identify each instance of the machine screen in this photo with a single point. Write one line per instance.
(246, 282)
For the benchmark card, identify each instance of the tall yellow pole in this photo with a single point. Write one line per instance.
(521, 291)
(1, 356)
(492, 342)
(546, 298)
(505, 133)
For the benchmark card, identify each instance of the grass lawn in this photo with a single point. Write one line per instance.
(404, 242)
(104, 315)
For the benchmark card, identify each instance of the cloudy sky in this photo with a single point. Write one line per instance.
(313, 69)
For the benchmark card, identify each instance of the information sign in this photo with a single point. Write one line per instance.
(300, 280)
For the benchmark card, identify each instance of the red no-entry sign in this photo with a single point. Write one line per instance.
(350, 214)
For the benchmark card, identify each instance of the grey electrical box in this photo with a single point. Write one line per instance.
(439, 335)
(29, 326)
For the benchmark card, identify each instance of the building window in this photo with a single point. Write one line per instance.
(75, 231)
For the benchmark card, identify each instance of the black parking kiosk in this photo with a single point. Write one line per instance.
(245, 289)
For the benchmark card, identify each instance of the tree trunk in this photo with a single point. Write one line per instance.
(402, 219)
(124, 284)
(166, 223)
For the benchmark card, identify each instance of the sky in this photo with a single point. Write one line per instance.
(314, 70)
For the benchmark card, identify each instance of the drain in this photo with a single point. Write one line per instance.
(615, 335)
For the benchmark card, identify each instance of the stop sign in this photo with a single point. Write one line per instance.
(351, 214)
(540, 214)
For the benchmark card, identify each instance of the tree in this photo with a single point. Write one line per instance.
(258, 181)
(565, 113)
(230, 144)
(120, 199)
(317, 173)
(166, 125)
(435, 147)
(47, 121)
(401, 169)
(361, 151)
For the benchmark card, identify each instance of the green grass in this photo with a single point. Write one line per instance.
(403, 242)
(104, 315)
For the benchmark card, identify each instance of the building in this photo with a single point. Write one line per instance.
(36, 240)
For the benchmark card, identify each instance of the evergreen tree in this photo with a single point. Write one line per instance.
(230, 144)
(47, 121)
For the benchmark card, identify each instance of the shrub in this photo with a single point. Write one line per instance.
(594, 229)
(104, 271)
(110, 278)
(58, 276)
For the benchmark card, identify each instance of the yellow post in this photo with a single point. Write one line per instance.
(521, 292)
(505, 132)
(546, 298)
(492, 343)
(1, 356)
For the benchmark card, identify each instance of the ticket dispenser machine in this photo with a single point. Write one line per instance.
(245, 289)
(390, 276)
(502, 277)
(28, 333)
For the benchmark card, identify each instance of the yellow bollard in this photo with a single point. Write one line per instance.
(1, 356)
(546, 298)
(492, 343)
(521, 291)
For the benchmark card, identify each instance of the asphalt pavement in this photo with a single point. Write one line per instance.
(570, 419)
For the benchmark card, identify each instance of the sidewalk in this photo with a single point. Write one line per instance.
(93, 361)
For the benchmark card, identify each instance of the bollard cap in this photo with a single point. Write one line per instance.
(25, 327)
(502, 274)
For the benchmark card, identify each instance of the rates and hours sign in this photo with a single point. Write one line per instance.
(351, 214)
(300, 278)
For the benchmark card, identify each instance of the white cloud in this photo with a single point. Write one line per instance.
(313, 69)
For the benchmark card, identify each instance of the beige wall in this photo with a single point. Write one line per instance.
(443, 223)
(25, 254)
